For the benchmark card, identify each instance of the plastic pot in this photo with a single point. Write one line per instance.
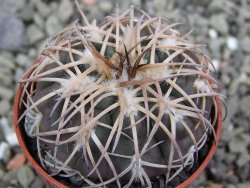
(53, 183)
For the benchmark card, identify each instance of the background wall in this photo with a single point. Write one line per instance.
(222, 25)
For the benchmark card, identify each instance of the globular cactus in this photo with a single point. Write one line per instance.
(129, 100)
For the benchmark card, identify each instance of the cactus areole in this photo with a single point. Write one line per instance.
(127, 102)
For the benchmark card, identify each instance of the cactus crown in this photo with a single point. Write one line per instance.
(125, 101)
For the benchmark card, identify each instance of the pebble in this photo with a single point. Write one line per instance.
(34, 34)
(215, 185)
(9, 134)
(95, 13)
(6, 93)
(246, 137)
(237, 145)
(32, 53)
(12, 139)
(196, 20)
(53, 25)
(89, 2)
(37, 183)
(12, 34)
(243, 185)
(212, 33)
(226, 54)
(25, 176)
(2, 138)
(219, 154)
(10, 7)
(16, 162)
(54, 8)
(215, 46)
(136, 2)
(227, 131)
(245, 44)
(1, 173)
(217, 170)
(106, 6)
(5, 79)
(233, 89)
(232, 43)
(10, 176)
(231, 186)
(219, 23)
(243, 159)
(5, 71)
(19, 74)
(159, 4)
(216, 64)
(5, 107)
(26, 13)
(43, 8)
(5, 152)
(219, 6)
(246, 64)
(245, 105)
(39, 21)
(232, 104)
(65, 10)
(23, 60)
(243, 89)
(7, 60)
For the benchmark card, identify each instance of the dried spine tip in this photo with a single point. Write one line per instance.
(125, 97)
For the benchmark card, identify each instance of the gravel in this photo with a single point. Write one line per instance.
(213, 34)
(25, 176)
(243, 159)
(6, 60)
(27, 13)
(5, 152)
(10, 7)
(222, 25)
(10, 176)
(215, 46)
(37, 183)
(38, 20)
(66, 10)
(5, 107)
(106, 6)
(23, 60)
(237, 145)
(6, 93)
(53, 25)
(245, 106)
(232, 43)
(43, 8)
(12, 34)
(34, 34)
(245, 44)
(219, 23)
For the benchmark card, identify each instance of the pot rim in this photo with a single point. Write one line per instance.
(56, 184)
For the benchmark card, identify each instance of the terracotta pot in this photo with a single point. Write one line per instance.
(53, 183)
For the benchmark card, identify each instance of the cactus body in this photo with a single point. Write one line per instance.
(125, 101)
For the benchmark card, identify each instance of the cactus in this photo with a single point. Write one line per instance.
(125, 101)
